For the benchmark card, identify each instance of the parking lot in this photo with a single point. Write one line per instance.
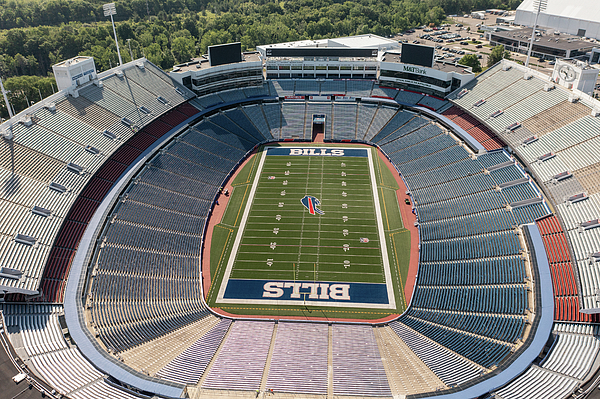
(452, 42)
(467, 28)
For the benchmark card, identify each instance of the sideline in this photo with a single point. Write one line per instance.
(214, 219)
(408, 219)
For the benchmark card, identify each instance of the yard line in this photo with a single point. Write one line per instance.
(240, 232)
(302, 224)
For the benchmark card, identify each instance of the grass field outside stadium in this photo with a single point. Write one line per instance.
(311, 231)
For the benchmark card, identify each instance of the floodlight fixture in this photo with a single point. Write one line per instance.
(110, 10)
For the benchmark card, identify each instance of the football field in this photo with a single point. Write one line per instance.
(310, 231)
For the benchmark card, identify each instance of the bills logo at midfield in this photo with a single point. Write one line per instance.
(311, 203)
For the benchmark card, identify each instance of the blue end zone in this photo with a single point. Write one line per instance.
(327, 152)
(319, 291)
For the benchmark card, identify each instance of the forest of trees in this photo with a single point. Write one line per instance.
(36, 34)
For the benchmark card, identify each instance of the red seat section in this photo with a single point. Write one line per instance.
(476, 129)
(566, 299)
(61, 255)
(158, 128)
(493, 144)
(188, 109)
(174, 118)
(480, 134)
(452, 112)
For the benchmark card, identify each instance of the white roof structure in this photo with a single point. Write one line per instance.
(367, 41)
(581, 17)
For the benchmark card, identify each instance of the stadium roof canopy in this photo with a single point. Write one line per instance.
(367, 41)
(564, 16)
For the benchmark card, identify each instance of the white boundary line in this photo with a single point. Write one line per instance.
(240, 232)
(238, 238)
(382, 242)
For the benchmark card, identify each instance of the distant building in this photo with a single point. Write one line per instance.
(438, 80)
(199, 76)
(594, 56)
(547, 45)
(508, 19)
(580, 17)
(495, 11)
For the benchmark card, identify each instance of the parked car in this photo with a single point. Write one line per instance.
(479, 46)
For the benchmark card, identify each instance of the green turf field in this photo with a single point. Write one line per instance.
(359, 239)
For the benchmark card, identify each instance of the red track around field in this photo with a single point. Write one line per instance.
(214, 219)
(408, 219)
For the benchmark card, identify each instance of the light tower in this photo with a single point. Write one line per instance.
(129, 44)
(110, 9)
(538, 6)
(10, 113)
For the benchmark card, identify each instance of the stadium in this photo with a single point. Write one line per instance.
(336, 218)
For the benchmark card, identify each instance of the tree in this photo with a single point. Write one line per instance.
(183, 48)
(471, 61)
(497, 54)
(154, 54)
